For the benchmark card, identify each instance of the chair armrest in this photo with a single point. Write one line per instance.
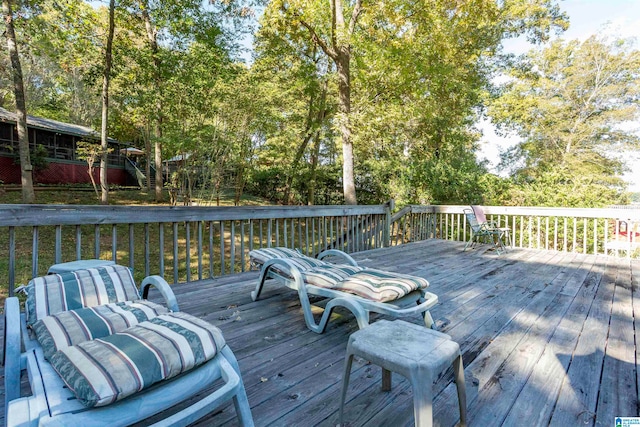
(338, 253)
(164, 288)
(11, 354)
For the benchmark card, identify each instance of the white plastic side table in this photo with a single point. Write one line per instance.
(415, 352)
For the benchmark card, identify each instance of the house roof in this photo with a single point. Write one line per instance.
(52, 125)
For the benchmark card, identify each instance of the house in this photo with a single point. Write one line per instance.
(60, 141)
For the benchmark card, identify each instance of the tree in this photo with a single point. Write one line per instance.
(407, 76)
(104, 142)
(26, 176)
(335, 39)
(152, 40)
(89, 152)
(571, 103)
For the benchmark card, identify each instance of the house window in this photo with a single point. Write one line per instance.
(6, 140)
(64, 147)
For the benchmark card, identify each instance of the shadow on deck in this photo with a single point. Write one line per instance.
(547, 338)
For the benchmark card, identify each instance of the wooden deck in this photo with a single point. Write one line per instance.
(547, 337)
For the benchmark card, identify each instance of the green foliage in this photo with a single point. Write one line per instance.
(571, 103)
(420, 73)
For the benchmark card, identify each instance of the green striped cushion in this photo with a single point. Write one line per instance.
(369, 283)
(73, 327)
(260, 256)
(329, 275)
(102, 371)
(54, 293)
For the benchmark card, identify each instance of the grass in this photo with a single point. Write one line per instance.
(120, 196)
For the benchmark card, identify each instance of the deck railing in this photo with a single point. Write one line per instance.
(195, 243)
(612, 231)
(185, 243)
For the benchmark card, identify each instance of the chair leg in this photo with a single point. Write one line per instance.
(264, 275)
(345, 384)
(458, 369)
(428, 320)
(243, 410)
(386, 380)
(422, 400)
(468, 242)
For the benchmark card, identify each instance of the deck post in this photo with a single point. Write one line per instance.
(386, 238)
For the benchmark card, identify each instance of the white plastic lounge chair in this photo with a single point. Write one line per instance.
(98, 355)
(360, 290)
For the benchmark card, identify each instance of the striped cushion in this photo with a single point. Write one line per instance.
(260, 256)
(76, 326)
(102, 371)
(369, 283)
(54, 293)
(329, 275)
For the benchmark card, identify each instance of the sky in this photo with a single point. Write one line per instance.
(587, 17)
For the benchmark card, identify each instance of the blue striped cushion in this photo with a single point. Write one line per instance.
(369, 283)
(73, 327)
(105, 370)
(54, 293)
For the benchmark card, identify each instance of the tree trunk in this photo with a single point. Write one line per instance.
(104, 185)
(287, 199)
(158, 160)
(152, 39)
(344, 91)
(26, 170)
(147, 151)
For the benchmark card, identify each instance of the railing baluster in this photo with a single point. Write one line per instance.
(175, 252)
(78, 242)
(12, 260)
(285, 236)
(34, 251)
(242, 238)
(222, 246)
(300, 236)
(313, 235)
(546, 233)
(114, 243)
(584, 235)
(96, 235)
(147, 251)
(211, 251)
(232, 246)
(131, 246)
(200, 225)
(58, 245)
(306, 235)
(324, 228)
(161, 244)
(187, 239)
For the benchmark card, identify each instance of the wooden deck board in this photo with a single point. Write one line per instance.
(547, 337)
